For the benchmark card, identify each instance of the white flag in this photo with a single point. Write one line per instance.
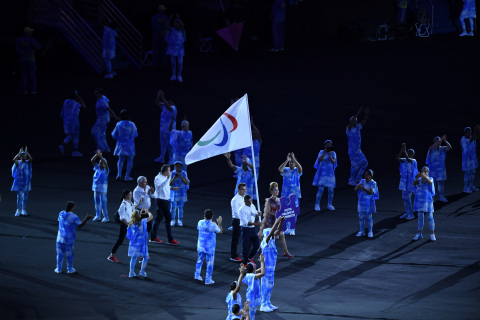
(230, 132)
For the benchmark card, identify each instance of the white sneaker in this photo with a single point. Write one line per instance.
(128, 179)
(96, 218)
(172, 223)
(180, 222)
(470, 34)
(230, 228)
(410, 216)
(403, 216)
(173, 78)
(360, 234)
(209, 282)
(72, 270)
(474, 188)
(199, 278)
(104, 220)
(142, 273)
(57, 270)
(443, 199)
(61, 148)
(432, 237)
(272, 307)
(132, 274)
(265, 309)
(317, 207)
(76, 154)
(18, 213)
(330, 207)
(24, 212)
(467, 190)
(464, 33)
(180, 79)
(292, 232)
(109, 76)
(370, 234)
(418, 236)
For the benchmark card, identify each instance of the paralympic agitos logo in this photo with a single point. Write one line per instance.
(225, 132)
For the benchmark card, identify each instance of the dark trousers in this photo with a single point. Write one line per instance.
(121, 237)
(236, 232)
(250, 238)
(163, 211)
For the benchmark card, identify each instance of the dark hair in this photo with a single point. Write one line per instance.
(247, 197)
(164, 168)
(241, 184)
(124, 115)
(208, 214)
(70, 205)
(124, 194)
(233, 285)
(73, 94)
(99, 89)
(235, 308)
(249, 268)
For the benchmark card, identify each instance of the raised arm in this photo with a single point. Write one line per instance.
(80, 100)
(161, 101)
(219, 223)
(229, 161)
(282, 166)
(403, 152)
(112, 113)
(17, 156)
(94, 158)
(449, 146)
(276, 225)
(355, 116)
(365, 117)
(262, 268)
(28, 155)
(297, 164)
(239, 281)
(246, 162)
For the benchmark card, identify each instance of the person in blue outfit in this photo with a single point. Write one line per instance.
(244, 174)
(469, 157)
(325, 177)
(100, 186)
(26, 46)
(239, 313)
(269, 251)
(137, 234)
(234, 297)
(424, 192)
(252, 279)
(207, 230)
(71, 124)
(181, 142)
(291, 182)
(367, 194)
(277, 16)
(68, 222)
(357, 159)
(103, 111)
(159, 44)
(22, 177)
(168, 121)
(408, 172)
(468, 12)
(436, 163)
(175, 38)
(109, 44)
(125, 133)
(178, 197)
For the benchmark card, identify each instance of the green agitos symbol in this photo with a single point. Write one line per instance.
(225, 133)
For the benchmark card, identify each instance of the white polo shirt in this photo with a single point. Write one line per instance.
(246, 215)
(162, 187)
(236, 203)
(140, 193)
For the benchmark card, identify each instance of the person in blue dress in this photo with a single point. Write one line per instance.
(436, 163)
(244, 174)
(234, 297)
(291, 182)
(252, 279)
(408, 172)
(71, 125)
(103, 111)
(367, 191)
(22, 177)
(269, 251)
(178, 197)
(207, 230)
(109, 43)
(325, 176)
(137, 233)
(424, 192)
(68, 222)
(181, 142)
(125, 133)
(159, 44)
(468, 12)
(175, 38)
(100, 186)
(469, 157)
(168, 121)
(358, 160)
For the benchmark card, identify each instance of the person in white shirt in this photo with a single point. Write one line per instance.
(162, 195)
(143, 191)
(236, 203)
(248, 220)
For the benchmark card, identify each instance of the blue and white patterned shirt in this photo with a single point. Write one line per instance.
(366, 202)
(325, 175)
(207, 230)
(469, 154)
(291, 182)
(67, 225)
(70, 112)
(125, 133)
(166, 118)
(100, 179)
(408, 172)
(22, 176)
(436, 163)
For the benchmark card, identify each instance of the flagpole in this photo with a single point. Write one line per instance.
(253, 156)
